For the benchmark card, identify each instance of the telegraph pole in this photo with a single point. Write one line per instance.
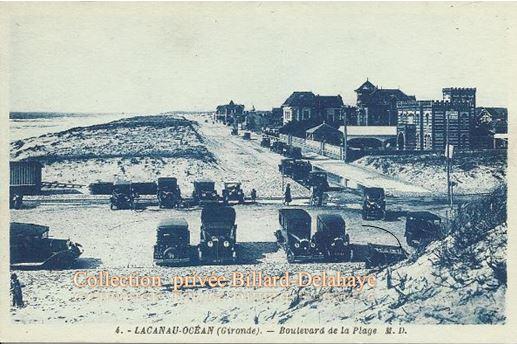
(345, 136)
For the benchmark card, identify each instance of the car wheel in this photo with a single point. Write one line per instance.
(112, 206)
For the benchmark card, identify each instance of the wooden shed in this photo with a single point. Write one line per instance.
(25, 177)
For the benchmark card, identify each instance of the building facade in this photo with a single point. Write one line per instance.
(429, 125)
(229, 112)
(302, 106)
(378, 106)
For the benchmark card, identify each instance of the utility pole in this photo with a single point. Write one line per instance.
(345, 136)
(448, 153)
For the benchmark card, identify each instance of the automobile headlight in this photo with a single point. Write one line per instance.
(210, 243)
(313, 245)
(297, 245)
(226, 244)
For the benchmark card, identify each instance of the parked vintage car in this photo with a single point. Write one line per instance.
(383, 255)
(301, 170)
(246, 136)
(423, 227)
(295, 235)
(204, 192)
(172, 242)
(233, 192)
(169, 194)
(277, 147)
(123, 196)
(318, 179)
(286, 166)
(331, 238)
(31, 247)
(374, 204)
(292, 152)
(265, 142)
(218, 235)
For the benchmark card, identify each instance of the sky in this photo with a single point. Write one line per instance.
(86, 57)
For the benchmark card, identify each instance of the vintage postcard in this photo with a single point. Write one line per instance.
(257, 171)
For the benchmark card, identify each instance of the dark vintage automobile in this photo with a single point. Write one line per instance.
(246, 136)
(218, 235)
(204, 192)
(233, 192)
(169, 194)
(383, 255)
(235, 131)
(123, 196)
(423, 227)
(318, 179)
(331, 238)
(31, 247)
(172, 242)
(292, 152)
(286, 166)
(374, 204)
(101, 188)
(295, 235)
(277, 147)
(301, 170)
(265, 142)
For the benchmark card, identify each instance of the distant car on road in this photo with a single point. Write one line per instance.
(122, 196)
(265, 142)
(423, 227)
(374, 204)
(218, 235)
(169, 194)
(233, 192)
(246, 136)
(31, 247)
(172, 242)
(204, 192)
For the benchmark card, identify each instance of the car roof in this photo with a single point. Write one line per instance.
(424, 215)
(27, 229)
(217, 213)
(373, 189)
(173, 222)
(204, 181)
(331, 219)
(293, 213)
(167, 178)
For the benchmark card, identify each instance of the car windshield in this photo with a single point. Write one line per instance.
(124, 188)
(374, 194)
(207, 186)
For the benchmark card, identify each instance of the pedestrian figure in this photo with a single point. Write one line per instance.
(16, 290)
(319, 195)
(253, 195)
(287, 195)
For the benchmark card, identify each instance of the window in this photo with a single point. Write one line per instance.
(410, 119)
(306, 113)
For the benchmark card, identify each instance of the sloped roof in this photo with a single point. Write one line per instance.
(364, 130)
(329, 101)
(323, 127)
(306, 99)
(367, 85)
(388, 94)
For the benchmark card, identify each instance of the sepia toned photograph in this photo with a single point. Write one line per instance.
(256, 171)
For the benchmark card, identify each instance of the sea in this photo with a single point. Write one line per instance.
(30, 124)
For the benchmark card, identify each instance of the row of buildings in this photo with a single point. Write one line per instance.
(412, 124)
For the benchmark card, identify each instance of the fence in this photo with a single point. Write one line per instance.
(322, 148)
(336, 152)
